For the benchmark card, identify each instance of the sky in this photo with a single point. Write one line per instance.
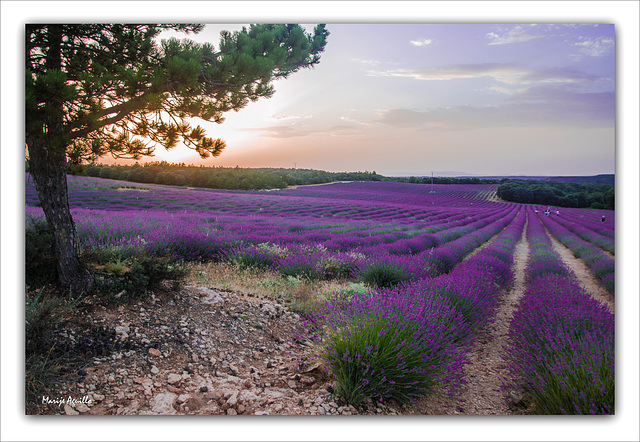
(452, 99)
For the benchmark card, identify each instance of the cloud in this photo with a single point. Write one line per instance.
(289, 131)
(544, 106)
(423, 42)
(354, 121)
(503, 73)
(595, 47)
(365, 61)
(282, 117)
(517, 34)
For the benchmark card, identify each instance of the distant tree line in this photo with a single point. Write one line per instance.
(231, 178)
(556, 193)
(444, 180)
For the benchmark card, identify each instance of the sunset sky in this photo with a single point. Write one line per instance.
(409, 99)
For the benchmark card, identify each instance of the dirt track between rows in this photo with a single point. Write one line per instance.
(586, 279)
(486, 372)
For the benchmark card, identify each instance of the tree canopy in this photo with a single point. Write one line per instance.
(123, 93)
(95, 89)
(557, 193)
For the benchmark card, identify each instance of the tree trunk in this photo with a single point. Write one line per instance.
(47, 146)
(48, 169)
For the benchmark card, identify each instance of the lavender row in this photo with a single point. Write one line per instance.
(449, 195)
(383, 265)
(400, 343)
(561, 351)
(572, 224)
(473, 286)
(601, 222)
(601, 265)
(107, 228)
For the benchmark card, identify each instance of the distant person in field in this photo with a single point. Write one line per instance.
(602, 218)
(557, 212)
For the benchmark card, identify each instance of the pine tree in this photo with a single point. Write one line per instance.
(94, 89)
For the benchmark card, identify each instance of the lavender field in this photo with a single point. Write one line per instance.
(436, 261)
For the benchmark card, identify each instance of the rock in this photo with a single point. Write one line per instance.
(215, 395)
(183, 398)
(68, 410)
(194, 403)
(132, 408)
(142, 380)
(154, 352)
(122, 332)
(163, 403)
(233, 399)
(210, 297)
(154, 369)
(98, 397)
(232, 412)
(173, 378)
(307, 380)
(273, 394)
(268, 309)
(247, 396)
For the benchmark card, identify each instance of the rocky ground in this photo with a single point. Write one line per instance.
(195, 351)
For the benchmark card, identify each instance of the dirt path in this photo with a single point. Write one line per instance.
(320, 184)
(486, 371)
(493, 196)
(586, 279)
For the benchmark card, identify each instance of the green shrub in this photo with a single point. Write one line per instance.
(379, 357)
(354, 288)
(252, 258)
(40, 260)
(38, 319)
(383, 274)
(334, 268)
(144, 274)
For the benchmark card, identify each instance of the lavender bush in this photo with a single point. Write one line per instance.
(562, 349)
(391, 345)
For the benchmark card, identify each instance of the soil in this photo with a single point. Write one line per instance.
(586, 279)
(197, 351)
(486, 372)
(205, 350)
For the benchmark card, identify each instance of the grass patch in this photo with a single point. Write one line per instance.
(299, 294)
